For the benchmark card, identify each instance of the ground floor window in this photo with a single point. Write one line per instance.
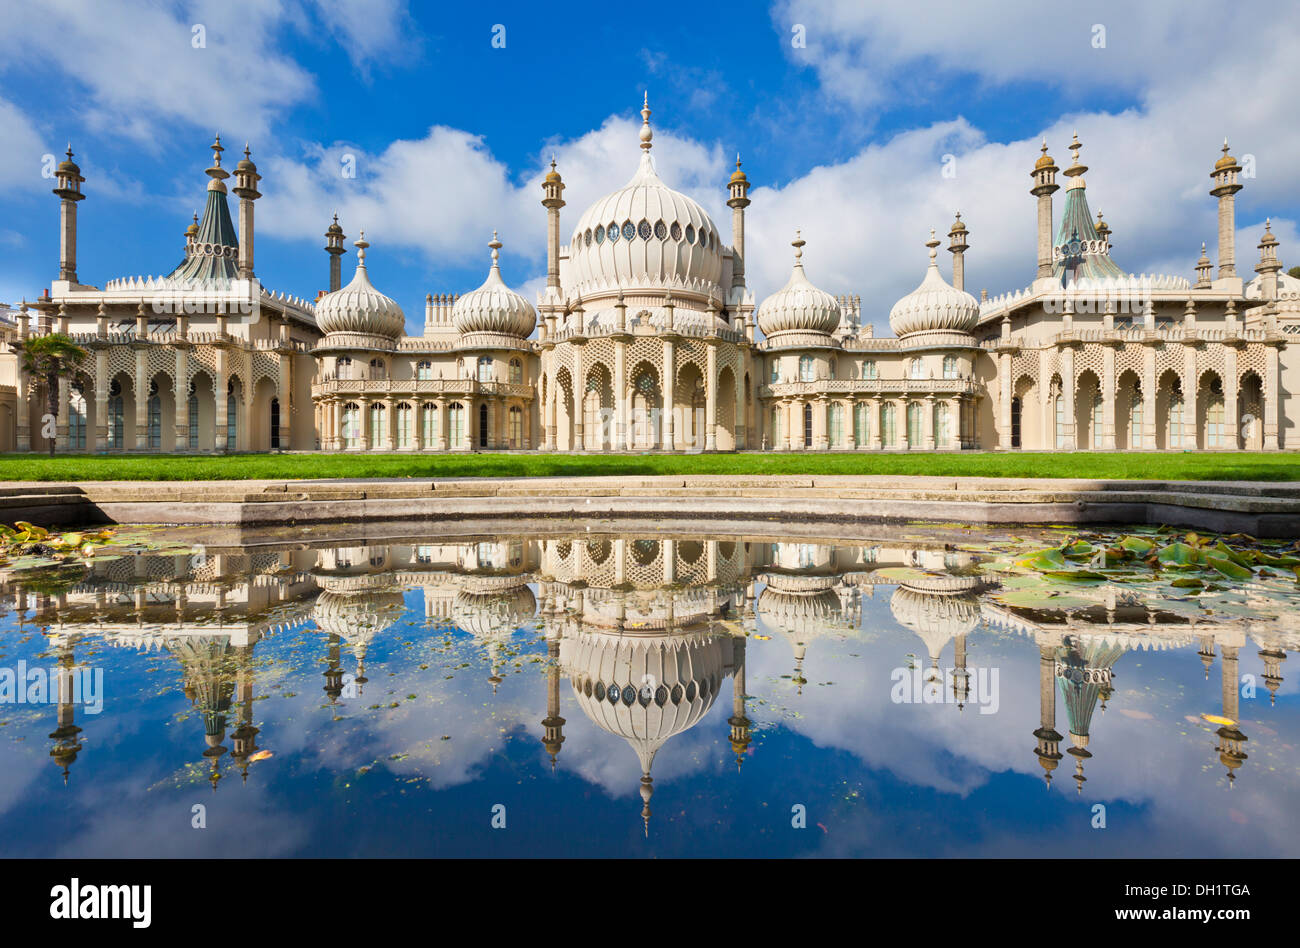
(351, 425)
(1135, 421)
(483, 426)
(275, 424)
(376, 426)
(76, 418)
(429, 425)
(835, 423)
(1059, 421)
(192, 413)
(456, 424)
(516, 427)
(889, 426)
(914, 436)
(116, 418)
(1214, 421)
(942, 425)
(403, 426)
(1176, 421)
(861, 423)
(232, 418)
(807, 426)
(1015, 422)
(1096, 420)
(777, 440)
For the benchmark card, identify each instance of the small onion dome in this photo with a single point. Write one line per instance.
(334, 228)
(70, 166)
(494, 307)
(1045, 160)
(1227, 161)
(552, 176)
(958, 226)
(934, 306)
(193, 229)
(359, 308)
(798, 307)
(246, 163)
(738, 175)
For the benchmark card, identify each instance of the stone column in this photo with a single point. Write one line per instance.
(1230, 419)
(579, 396)
(1149, 391)
(471, 420)
(711, 398)
(621, 434)
(1108, 399)
(417, 424)
(851, 425)
(141, 400)
(927, 422)
(794, 430)
(1006, 392)
(669, 442)
(821, 438)
(365, 423)
(740, 415)
(875, 414)
(101, 400)
(900, 416)
(390, 424)
(1271, 374)
(440, 406)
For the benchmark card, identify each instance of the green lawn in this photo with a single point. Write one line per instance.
(1189, 466)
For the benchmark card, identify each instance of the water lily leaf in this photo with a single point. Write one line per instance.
(1228, 553)
(1041, 599)
(1188, 582)
(1043, 560)
(1228, 568)
(1074, 575)
(1137, 545)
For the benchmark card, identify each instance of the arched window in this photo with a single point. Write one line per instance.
(275, 424)
(424, 371)
(485, 368)
(1215, 417)
(516, 427)
(915, 437)
(351, 426)
(377, 369)
(1176, 420)
(807, 371)
(774, 366)
(915, 369)
(835, 424)
(116, 417)
(950, 367)
(343, 367)
(777, 439)
(429, 426)
(456, 424)
(403, 413)
(76, 417)
(861, 424)
(377, 423)
(482, 421)
(942, 425)
(869, 370)
(516, 372)
(155, 418)
(807, 425)
(1015, 421)
(192, 407)
(889, 425)
(232, 416)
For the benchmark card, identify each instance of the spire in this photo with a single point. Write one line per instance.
(361, 244)
(933, 244)
(217, 173)
(496, 246)
(1077, 168)
(798, 245)
(646, 133)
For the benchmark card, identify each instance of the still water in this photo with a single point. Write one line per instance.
(902, 693)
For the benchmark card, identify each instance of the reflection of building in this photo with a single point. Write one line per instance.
(644, 337)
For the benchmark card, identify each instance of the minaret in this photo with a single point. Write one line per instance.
(553, 724)
(960, 674)
(334, 247)
(1048, 751)
(1044, 175)
(68, 177)
(244, 737)
(1103, 231)
(1203, 270)
(191, 232)
(1225, 189)
(957, 247)
(334, 669)
(246, 178)
(553, 189)
(1273, 657)
(738, 186)
(1230, 737)
(67, 745)
(1268, 265)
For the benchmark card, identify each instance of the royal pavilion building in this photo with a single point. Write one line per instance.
(646, 337)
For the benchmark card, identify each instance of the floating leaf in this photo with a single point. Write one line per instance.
(1228, 568)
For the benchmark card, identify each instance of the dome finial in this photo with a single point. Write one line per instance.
(646, 133)
(933, 244)
(361, 244)
(216, 151)
(496, 246)
(798, 245)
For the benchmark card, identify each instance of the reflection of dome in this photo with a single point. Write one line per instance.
(360, 309)
(494, 614)
(798, 307)
(357, 617)
(936, 617)
(494, 308)
(936, 306)
(645, 235)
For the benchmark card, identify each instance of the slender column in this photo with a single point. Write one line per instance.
(740, 416)
(579, 396)
(471, 419)
(711, 399)
(621, 434)
(1231, 420)
(794, 430)
(1108, 399)
(365, 424)
(670, 396)
(851, 425)
(1005, 394)
(390, 424)
(821, 439)
(441, 408)
(141, 400)
(900, 415)
(927, 422)
(875, 414)
(101, 400)
(1068, 392)
(1149, 393)
(417, 424)
(1271, 442)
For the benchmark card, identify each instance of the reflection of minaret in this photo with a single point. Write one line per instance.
(209, 686)
(66, 743)
(738, 721)
(1206, 651)
(960, 676)
(1048, 751)
(244, 736)
(1273, 658)
(1083, 675)
(553, 724)
(334, 668)
(1230, 737)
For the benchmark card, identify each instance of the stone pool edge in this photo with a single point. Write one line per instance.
(1262, 509)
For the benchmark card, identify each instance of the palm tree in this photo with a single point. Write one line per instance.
(51, 358)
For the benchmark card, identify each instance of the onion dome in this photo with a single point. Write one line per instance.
(334, 228)
(68, 166)
(798, 308)
(193, 229)
(645, 235)
(738, 175)
(936, 306)
(360, 310)
(1045, 160)
(1227, 161)
(494, 614)
(937, 617)
(246, 163)
(552, 176)
(494, 308)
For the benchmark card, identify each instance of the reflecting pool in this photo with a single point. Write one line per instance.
(915, 691)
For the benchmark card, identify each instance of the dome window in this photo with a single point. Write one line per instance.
(676, 695)
(586, 687)
(690, 691)
(661, 231)
(690, 233)
(612, 233)
(600, 236)
(643, 229)
(598, 691)
(628, 230)
(645, 695)
(661, 696)
(613, 694)
(629, 695)
(586, 238)
(676, 231)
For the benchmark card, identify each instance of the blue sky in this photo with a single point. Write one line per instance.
(844, 137)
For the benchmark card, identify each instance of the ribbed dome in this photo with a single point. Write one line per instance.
(934, 306)
(935, 617)
(798, 307)
(494, 307)
(645, 235)
(357, 617)
(358, 307)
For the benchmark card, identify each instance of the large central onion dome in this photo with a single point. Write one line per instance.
(798, 308)
(360, 310)
(936, 306)
(494, 308)
(645, 235)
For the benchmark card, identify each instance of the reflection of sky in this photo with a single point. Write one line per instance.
(421, 778)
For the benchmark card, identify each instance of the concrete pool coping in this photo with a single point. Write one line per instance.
(1262, 509)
